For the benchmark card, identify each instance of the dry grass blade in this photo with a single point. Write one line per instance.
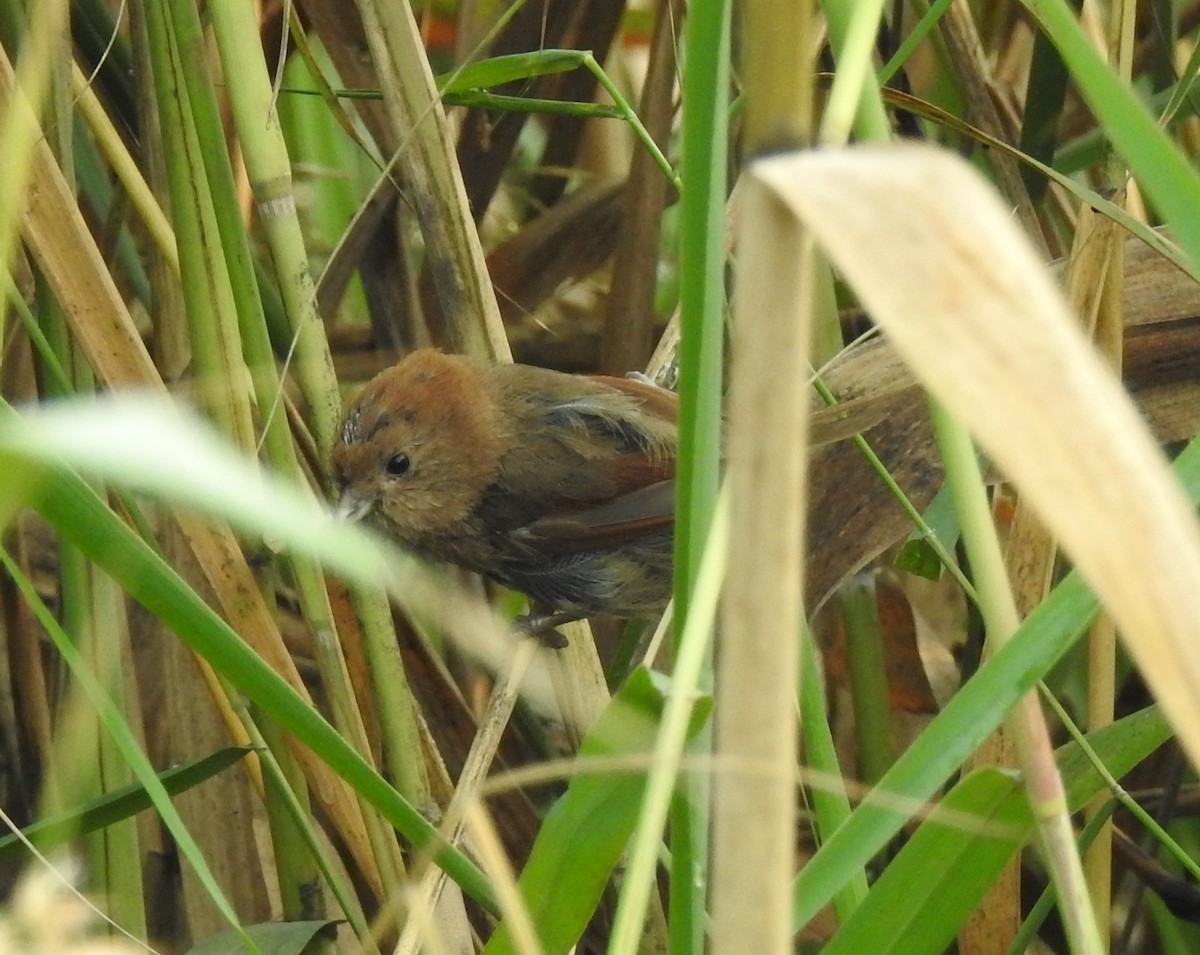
(436, 185)
(74, 269)
(939, 264)
(754, 817)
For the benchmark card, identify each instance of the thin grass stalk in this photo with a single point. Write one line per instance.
(1029, 564)
(1044, 785)
(830, 804)
(269, 168)
(1030, 559)
(226, 818)
(234, 277)
(124, 167)
(73, 769)
(172, 353)
(122, 848)
(427, 161)
(691, 660)
(855, 103)
(19, 130)
(292, 795)
(702, 298)
(479, 759)
(1096, 288)
(85, 764)
(296, 865)
(397, 708)
(212, 321)
(868, 677)
(704, 155)
(1109, 335)
(28, 671)
(1097, 863)
(73, 766)
(966, 55)
(754, 801)
(218, 364)
(346, 715)
(854, 100)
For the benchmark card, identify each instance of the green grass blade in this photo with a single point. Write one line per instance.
(114, 723)
(509, 69)
(704, 145)
(272, 938)
(1162, 170)
(923, 895)
(926, 894)
(974, 713)
(481, 99)
(117, 805)
(1046, 92)
(585, 833)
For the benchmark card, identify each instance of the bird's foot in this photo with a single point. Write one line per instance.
(542, 627)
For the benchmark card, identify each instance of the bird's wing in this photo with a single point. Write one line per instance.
(626, 517)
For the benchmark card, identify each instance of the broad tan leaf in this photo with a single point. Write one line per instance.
(941, 266)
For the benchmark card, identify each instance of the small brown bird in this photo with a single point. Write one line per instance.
(559, 486)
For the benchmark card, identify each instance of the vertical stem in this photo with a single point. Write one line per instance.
(429, 168)
(754, 804)
(270, 171)
(830, 804)
(18, 121)
(702, 302)
(868, 677)
(1109, 335)
(1042, 782)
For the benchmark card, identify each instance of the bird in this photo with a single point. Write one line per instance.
(559, 486)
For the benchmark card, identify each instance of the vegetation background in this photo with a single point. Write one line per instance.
(238, 212)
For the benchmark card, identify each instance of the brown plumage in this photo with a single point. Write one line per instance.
(559, 486)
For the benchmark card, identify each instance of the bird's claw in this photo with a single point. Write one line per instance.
(542, 627)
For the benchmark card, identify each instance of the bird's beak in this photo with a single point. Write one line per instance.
(352, 508)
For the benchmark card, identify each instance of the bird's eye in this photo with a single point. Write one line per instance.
(398, 465)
